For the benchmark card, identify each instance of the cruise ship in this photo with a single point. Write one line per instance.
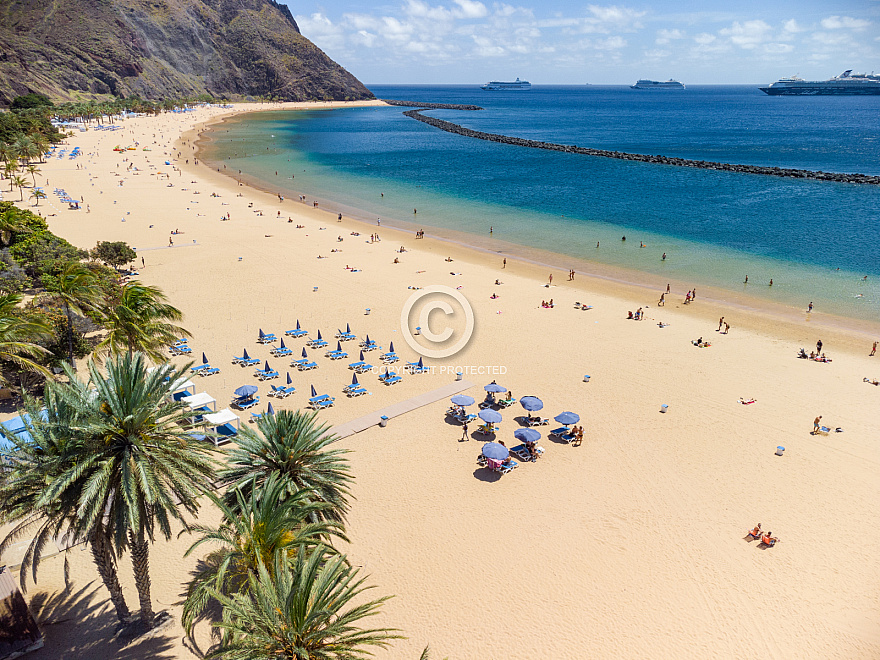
(496, 86)
(846, 84)
(657, 84)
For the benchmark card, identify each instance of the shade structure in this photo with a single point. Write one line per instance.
(490, 416)
(421, 364)
(204, 359)
(282, 343)
(305, 355)
(270, 410)
(527, 435)
(314, 391)
(362, 356)
(391, 347)
(339, 346)
(320, 338)
(289, 379)
(567, 418)
(199, 400)
(354, 378)
(297, 324)
(246, 356)
(347, 329)
(463, 400)
(221, 417)
(495, 387)
(246, 390)
(367, 340)
(531, 403)
(266, 368)
(495, 451)
(262, 334)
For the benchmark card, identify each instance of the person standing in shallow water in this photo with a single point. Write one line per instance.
(810, 307)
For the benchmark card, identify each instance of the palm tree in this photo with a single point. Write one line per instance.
(300, 612)
(20, 183)
(260, 525)
(38, 195)
(33, 170)
(54, 447)
(76, 290)
(11, 223)
(8, 154)
(146, 469)
(139, 321)
(293, 446)
(9, 170)
(18, 336)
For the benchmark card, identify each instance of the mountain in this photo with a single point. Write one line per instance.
(74, 50)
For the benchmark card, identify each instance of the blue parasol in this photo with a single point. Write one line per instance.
(463, 400)
(362, 356)
(304, 354)
(494, 387)
(314, 391)
(490, 416)
(297, 324)
(567, 418)
(282, 343)
(391, 347)
(204, 359)
(354, 379)
(262, 334)
(270, 410)
(246, 390)
(368, 340)
(266, 368)
(495, 451)
(320, 338)
(531, 403)
(421, 365)
(347, 329)
(246, 356)
(527, 435)
(339, 347)
(289, 380)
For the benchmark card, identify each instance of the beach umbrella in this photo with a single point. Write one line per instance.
(289, 380)
(463, 400)
(246, 356)
(270, 410)
(304, 354)
(527, 435)
(262, 334)
(204, 359)
(567, 418)
(421, 364)
(282, 343)
(354, 379)
(495, 451)
(320, 338)
(297, 324)
(314, 391)
(368, 340)
(266, 368)
(391, 347)
(347, 329)
(494, 387)
(339, 347)
(490, 416)
(246, 390)
(531, 403)
(362, 356)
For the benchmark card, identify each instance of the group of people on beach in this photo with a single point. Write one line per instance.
(767, 538)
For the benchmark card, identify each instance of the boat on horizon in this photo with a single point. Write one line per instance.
(846, 84)
(500, 86)
(657, 84)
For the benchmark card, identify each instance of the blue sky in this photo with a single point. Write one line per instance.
(567, 42)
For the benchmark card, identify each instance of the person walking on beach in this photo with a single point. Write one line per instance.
(720, 323)
(819, 347)
(873, 350)
(504, 263)
(810, 307)
(667, 288)
(747, 280)
(816, 424)
(726, 328)
(663, 258)
(464, 434)
(490, 231)
(551, 279)
(662, 301)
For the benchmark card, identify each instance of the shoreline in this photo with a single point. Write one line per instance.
(641, 287)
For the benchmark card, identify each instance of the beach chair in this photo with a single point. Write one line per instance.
(505, 403)
(267, 339)
(209, 372)
(256, 417)
(317, 343)
(346, 336)
(537, 421)
(276, 391)
(390, 378)
(249, 362)
(199, 368)
(243, 403)
(180, 342)
(281, 352)
(307, 366)
(267, 375)
(507, 466)
(389, 358)
(487, 429)
(296, 363)
(296, 334)
(336, 355)
(180, 350)
(360, 391)
(363, 368)
(237, 360)
(286, 391)
(372, 346)
(414, 368)
(355, 365)
(561, 431)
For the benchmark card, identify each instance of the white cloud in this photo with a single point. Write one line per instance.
(748, 35)
(666, 36)
(839, 22)
(469, 9)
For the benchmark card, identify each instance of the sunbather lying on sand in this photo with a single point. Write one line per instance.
(873, 382)
(746, 402)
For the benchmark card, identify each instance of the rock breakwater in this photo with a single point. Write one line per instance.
(790, 173)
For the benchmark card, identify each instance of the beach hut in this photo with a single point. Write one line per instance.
(225, 423)
(18, 630)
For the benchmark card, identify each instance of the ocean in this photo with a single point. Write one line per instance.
(817, 241)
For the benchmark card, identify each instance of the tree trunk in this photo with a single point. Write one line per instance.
(70, 337)
(102, 554)
(140, 561)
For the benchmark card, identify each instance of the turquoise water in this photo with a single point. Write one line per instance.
(715, 227)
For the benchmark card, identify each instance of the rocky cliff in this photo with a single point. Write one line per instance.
(74, 50)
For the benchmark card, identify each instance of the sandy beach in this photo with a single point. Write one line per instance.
(630, 545)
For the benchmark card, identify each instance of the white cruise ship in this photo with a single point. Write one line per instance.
(846, 84)
(656, 84)
(498, 86)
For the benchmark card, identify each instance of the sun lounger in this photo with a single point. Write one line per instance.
(486, 429)
(372, 346)
(281, 392)
(355, 365)
(249, 362)
(346, 336)
(391, 380)
(414, 368)
(245, 402)
(568, 437)
(363, 368)
(540, 421)
(237, 360)
(267, 375)
(209, 372)
(308, 366)
(296, 363)
(198, 368)
(522, 452)
(180, 350)
(281, 352)
(326, 403)
(389, 358)
(296, 334)
(180, 342)
(267, 339)
(256, 416)
(505, 403)
(561, 431)
(507, 466)
(360, 391)
(316, 343)
(336, 355)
